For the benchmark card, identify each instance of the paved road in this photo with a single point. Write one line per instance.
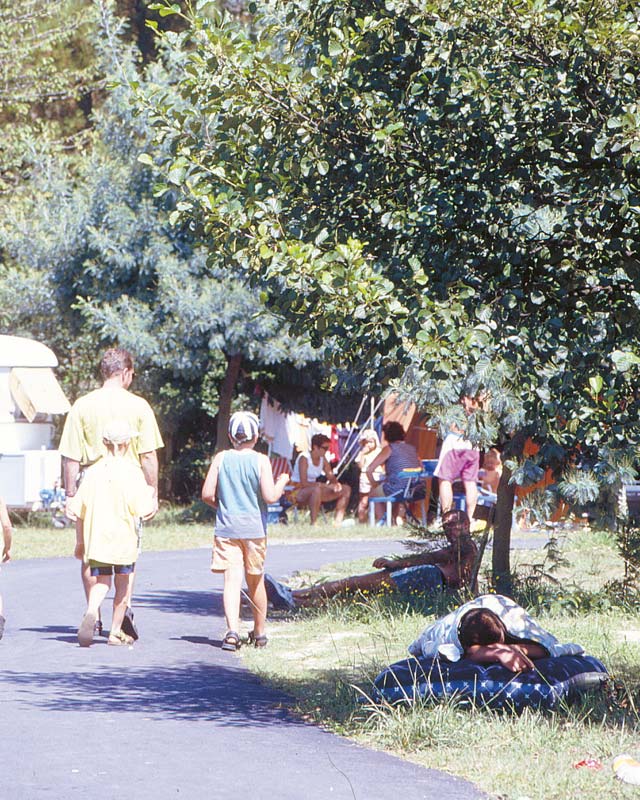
(174, 716)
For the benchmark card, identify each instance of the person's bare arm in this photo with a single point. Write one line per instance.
(149, 464)
(271, 491)
(435, 557)
(70, 470)
(7, 531)
(377, 462)
(210, 485)
(79, 550)
(515, 657)
(331, 477)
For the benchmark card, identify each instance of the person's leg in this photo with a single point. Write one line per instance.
(101, 585)
(97, 593)
(122, 583)
(343, 502)
(371, 582)
(469, 475)
(254, 552)
(310, 497)
(471, 495)
(128, 624)
(258, 598)
(378, 491)
(446, 496)
(399, 513)
(231, 596)
(315, 501)
(363, 509)
(88, 582)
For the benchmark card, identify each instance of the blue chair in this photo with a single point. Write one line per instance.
(415, 491)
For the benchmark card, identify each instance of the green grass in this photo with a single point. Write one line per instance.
(37, 538)
(328, 659)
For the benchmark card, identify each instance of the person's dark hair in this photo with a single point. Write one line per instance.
(319, 440)
(456, 519)
(393, 432)
(481, 626)
(115, 360)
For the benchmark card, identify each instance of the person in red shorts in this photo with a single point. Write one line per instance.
(459, 461)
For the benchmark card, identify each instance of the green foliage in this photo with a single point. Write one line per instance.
(90, 258)
(450, 190)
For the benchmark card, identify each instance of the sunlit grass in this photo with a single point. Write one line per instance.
(327, 659)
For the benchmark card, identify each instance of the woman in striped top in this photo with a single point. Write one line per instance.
(397, 455)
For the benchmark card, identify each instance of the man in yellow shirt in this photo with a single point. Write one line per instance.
(82, 443)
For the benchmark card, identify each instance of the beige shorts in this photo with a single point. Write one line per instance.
(247, 553)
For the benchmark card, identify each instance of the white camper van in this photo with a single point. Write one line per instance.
(29, 397)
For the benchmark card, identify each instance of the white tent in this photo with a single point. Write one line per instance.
(29, 396)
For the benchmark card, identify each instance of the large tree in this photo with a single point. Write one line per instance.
(89, 258)
(452, 189)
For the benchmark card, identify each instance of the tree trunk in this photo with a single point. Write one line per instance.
(226, 396)
(501, 564)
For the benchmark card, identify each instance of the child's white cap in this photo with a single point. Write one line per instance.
(118, 431)
(243, 426)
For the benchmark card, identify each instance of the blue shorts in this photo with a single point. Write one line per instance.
(424, 579)
(98, 568)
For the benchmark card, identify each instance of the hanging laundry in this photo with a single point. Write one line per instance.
(278, 429)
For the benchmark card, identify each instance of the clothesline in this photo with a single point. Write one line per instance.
(284, 431)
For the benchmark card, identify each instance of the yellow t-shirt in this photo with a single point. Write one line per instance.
(82, 435)
(113, 493)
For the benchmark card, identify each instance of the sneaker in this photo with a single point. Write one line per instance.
(129, 626)
(279, 595)
(97, 628)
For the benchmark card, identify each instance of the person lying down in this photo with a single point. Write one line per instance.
(491, 629)
(448, 569)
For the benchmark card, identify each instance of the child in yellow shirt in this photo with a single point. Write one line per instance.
(112, 496)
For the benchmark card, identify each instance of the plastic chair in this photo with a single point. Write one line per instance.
(415, 491)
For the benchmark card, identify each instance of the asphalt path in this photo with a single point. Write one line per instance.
(173, 716)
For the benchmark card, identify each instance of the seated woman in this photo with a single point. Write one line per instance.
(449, 567)
(396, 456)
(369, 451)
(315, 482)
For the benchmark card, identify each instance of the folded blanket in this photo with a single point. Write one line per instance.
(441, 638)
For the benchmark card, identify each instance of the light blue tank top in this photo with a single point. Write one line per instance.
(242, 513)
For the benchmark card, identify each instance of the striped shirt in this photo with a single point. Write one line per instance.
(402, 456)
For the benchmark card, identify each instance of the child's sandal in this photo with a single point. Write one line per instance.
(231, 641)
(257, 641)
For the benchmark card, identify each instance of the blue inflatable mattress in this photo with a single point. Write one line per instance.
(553, 681)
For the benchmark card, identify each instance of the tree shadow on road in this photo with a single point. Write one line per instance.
(182, 601)
(228, 695)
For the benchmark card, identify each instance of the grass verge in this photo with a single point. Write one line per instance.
(328, 659)
(37, 538)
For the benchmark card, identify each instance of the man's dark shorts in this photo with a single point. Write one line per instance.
(423, 579)
(98, 568)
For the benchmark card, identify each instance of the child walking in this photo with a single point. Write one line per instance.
(240, 484)
(112, 496)
(7, 532)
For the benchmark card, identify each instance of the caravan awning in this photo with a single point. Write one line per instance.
(36, 391)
